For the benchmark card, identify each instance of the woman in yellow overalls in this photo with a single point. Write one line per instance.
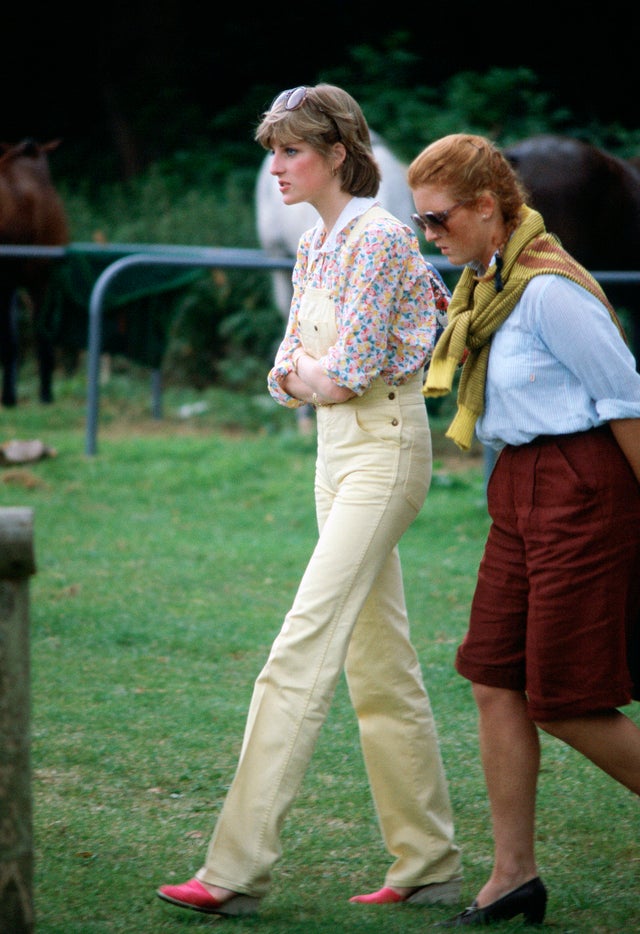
(362, 326)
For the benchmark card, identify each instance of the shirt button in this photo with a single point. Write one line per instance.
(392, 395)
(394, 422)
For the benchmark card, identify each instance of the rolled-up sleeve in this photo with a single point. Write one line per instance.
(283, 363)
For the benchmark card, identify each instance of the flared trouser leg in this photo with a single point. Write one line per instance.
(399, 739)
(372, 475)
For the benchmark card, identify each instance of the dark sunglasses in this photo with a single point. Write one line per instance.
(291, 99)
(436, 221)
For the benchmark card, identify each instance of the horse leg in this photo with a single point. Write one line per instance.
(46, 365)
(43, 317)
(9, 347)
(305, 420)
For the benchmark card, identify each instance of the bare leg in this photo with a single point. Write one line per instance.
(609, 739)
(510, 753)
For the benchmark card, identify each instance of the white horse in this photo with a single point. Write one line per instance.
(280, 225)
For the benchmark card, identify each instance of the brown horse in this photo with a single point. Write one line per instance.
(588, 197)
(31, 214)
(591, 200)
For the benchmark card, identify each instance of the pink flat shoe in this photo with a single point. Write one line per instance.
(384, 896)
(194, 895)
(437, 893)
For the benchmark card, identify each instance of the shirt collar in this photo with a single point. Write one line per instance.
(352, 209)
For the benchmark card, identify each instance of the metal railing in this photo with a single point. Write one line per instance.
(186, 256)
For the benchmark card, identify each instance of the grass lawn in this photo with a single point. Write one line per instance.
(165, 565)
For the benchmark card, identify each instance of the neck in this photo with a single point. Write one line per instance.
(331, 207)
(497, 242)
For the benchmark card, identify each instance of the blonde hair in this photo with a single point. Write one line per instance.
(468, 165)
(328, 115)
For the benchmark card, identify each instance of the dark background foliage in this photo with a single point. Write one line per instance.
(126, 83)
(155, 106)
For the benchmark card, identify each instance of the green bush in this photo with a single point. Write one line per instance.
(225, 326)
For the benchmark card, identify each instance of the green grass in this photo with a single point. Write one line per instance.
(165, 565)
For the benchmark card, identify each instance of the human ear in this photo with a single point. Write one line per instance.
(485, 205)
(339, 154)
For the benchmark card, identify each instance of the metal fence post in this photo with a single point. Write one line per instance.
(17, 563)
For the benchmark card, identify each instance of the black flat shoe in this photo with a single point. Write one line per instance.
(529, 900)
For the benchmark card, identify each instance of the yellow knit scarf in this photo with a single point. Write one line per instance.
(480, 305)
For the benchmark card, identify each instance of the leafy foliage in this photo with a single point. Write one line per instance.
(226, 327)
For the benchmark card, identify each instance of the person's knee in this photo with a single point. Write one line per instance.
(558, 728)
(568, 730)
(488, 697)
(483, 694)
(574, 730)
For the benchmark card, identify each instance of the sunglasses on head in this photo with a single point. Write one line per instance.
(436, 221)
(294, 98)
(291, 99)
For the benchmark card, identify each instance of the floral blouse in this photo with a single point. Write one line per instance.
(391, 306)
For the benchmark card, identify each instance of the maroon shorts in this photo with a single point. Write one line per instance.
(559, 581)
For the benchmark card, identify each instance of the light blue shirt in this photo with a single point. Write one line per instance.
(557, 365)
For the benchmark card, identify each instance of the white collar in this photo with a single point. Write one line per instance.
(352, 209)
